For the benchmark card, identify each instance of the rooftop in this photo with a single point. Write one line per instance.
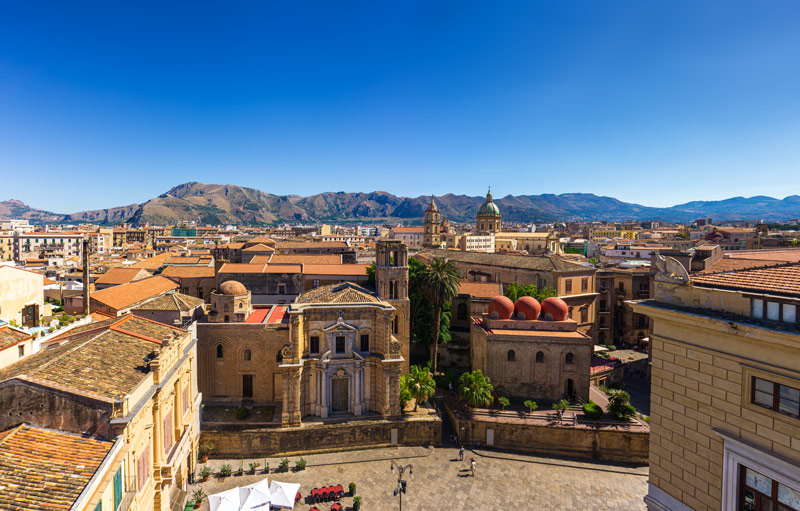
(125, 295)
(188, 272)
(171, 302)
(540, 263)
(42, 469)
(343, 292)
(9, 336)
(481, 289)
(116, 276)
(104, 360)
(778, 280)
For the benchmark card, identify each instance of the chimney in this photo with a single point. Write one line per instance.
(85, 252)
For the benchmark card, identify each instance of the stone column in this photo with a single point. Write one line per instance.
(291, 396)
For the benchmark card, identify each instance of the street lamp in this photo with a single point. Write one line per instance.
(401, 483)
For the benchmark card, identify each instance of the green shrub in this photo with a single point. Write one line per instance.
(531, 405)
(619, 405)
(356, 503)
(242, 413)
(503, 402)
(225, 470)
(253, 465)
(352, 488)
(205, 472)
(301, 463)
(592, 410)
(284, 464)
(198, 495)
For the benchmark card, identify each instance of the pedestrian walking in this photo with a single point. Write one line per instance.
(574, 419)
(472, 466)
(461, 454)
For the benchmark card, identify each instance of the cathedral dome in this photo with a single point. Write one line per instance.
(527, 307)
(554, 309)
(232, 287)
(501, 307)
(489, 207)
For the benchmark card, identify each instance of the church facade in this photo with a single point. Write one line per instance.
(337, 350)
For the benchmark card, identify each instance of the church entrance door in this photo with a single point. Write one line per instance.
(340, 394)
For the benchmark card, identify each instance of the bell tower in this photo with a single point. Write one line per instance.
(391, 285)
(432, 237)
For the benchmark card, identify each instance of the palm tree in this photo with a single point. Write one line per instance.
(476, 389)
(441, 280)
(420, 384)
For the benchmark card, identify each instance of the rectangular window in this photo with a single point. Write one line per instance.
(602, 305)
(313, 344)
(186, 398)
(567, 286)
(143, 468)
(340, 344)
(777, 397)
(773, 311)
(584, 315)
(760, 492)
(365, 343)
(757, 308)
(315, 283)
(21, 350)
(584, 284)
(789, 313)
(168, 432)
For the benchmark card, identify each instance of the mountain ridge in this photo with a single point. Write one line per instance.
(233, 204)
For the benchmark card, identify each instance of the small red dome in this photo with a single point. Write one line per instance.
(527, 307)
(554, 309)
(501, 307)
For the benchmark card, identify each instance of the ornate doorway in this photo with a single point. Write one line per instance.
(340, 394)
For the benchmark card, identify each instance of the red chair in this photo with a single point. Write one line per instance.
(297, 498)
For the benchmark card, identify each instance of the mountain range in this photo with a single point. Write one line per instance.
(230, 204)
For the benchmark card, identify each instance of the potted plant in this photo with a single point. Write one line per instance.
(205, 472)
(198, 497)
(205, 450)
(225, 470)
(266, 466)
(356, 503)
(241, 468)
(300, 465)
(283, 466)
(253, 466)
(352, 488)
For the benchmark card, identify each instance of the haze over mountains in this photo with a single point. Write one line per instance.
(231, 204)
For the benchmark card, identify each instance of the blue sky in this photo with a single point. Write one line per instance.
(654, 102)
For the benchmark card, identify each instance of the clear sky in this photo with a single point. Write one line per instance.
(655, 102)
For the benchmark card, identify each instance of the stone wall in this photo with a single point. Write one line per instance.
(235, 441)
(606, 443)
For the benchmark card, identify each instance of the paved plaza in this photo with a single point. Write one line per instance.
(441, 482)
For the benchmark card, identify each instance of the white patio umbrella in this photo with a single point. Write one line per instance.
(227, 500)
(282, 494)
(255, 496)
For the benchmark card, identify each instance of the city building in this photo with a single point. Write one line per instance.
(15, 344)
(725, 398)
(413, 237)
(488, 217)
(124, 381)
(432, 237)
(532, 351)
(22, 296)
(119, 300)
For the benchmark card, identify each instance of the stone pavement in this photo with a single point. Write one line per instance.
(502, 480)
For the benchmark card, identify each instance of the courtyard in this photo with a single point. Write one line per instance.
(502, 481)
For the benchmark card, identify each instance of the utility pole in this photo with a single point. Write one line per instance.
(401, 483)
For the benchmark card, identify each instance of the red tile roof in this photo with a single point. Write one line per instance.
(188, 272)
(116, 276)
(783, 280)
(481, 289)
(242, 268)
(335, 269)
(42, 469)
(119, 297)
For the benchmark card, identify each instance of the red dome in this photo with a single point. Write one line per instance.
(555, 308)
(501, 307)
(527, 307)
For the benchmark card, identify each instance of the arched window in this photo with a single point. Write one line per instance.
(570, 358)
(462, 311)
(241, 305)
(247, 356)
(511, 356)
(220, 351)
(396, 324)
(227, 319)
(540, 357)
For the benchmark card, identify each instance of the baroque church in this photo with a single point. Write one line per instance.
(337, 350)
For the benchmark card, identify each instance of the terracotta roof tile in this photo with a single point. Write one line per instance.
(42, 469)
(343, 292)
(242, 268)
(725, 265)
(188, 272)
(310, 244)
(782, 280)
(125, 295)
(171, 302)
(335, 269)
(9, 336)
(305, 259)
(116, 276)
(481, 289)
(259, 248)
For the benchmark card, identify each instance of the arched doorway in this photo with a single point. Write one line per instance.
(569, 388)
(340, 394)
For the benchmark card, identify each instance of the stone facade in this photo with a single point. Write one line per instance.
(432, 237)
(709, 351)
(530, 359)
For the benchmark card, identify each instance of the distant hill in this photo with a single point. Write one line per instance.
(231, 204)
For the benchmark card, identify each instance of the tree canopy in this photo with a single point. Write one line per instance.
(515, 290)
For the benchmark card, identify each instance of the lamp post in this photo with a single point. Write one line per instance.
(401, 483)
